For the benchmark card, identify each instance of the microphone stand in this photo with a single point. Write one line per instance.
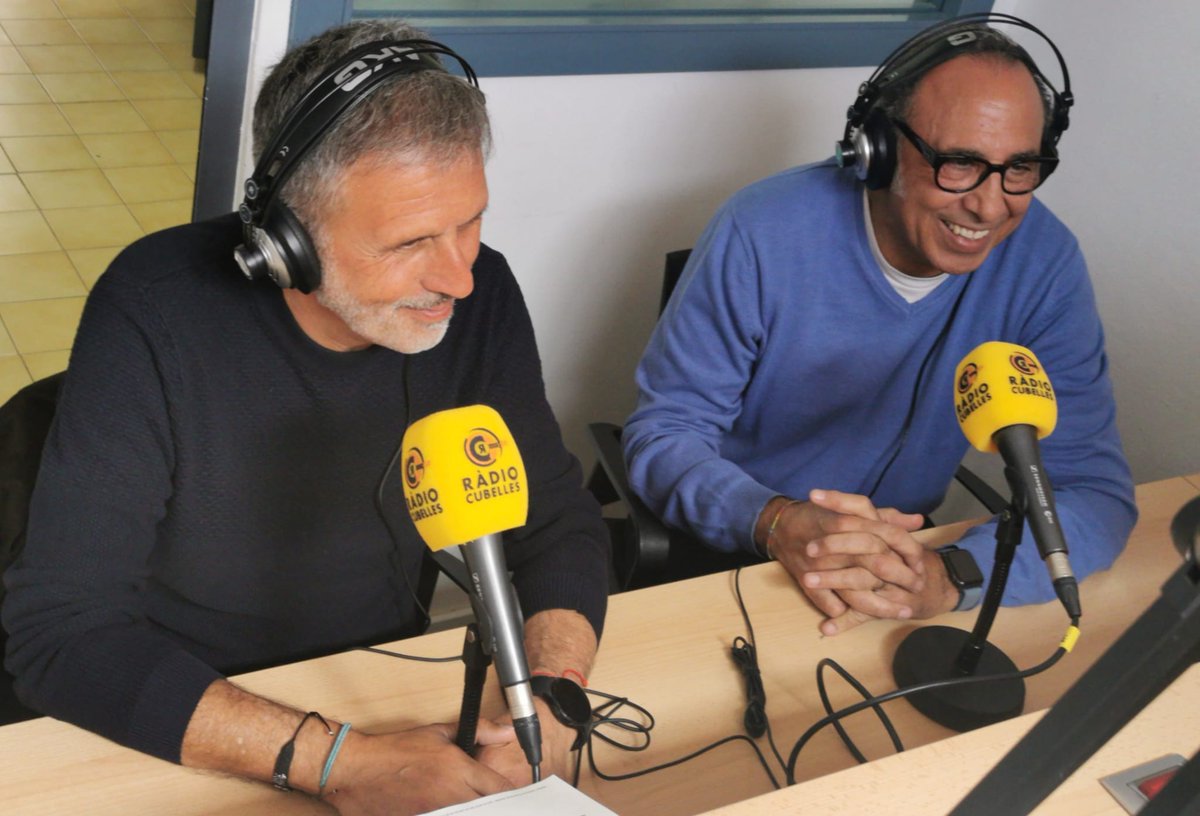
(942, 652)
(475, 658)
(476, 662)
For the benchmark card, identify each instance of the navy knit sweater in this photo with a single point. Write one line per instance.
(206, 502)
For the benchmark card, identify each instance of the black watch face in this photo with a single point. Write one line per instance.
(962, 568)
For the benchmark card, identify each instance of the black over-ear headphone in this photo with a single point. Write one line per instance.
(869, 141)
(276, 245)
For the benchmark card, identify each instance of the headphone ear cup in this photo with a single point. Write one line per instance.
(1050, 146)
(879, 137)
(1060, 119)
(295, 248)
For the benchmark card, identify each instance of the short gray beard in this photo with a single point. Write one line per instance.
(384, 324)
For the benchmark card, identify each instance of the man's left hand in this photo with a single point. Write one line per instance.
(936, 596)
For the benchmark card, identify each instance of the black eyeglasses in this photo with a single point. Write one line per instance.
(957, 173)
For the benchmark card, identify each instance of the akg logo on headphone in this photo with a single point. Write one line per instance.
(1025, 364)
(353, 74)
(414, 468)
(961, 38)
(967, 378)
(482, 447)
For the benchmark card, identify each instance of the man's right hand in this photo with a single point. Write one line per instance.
(405, 772)
(410, 772)
(840, 548)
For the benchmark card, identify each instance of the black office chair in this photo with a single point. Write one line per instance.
(24, 423)
(645, 551)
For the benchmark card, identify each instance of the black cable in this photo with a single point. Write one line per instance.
(873, 702)
(752, 655)
(862, 690)
(755, 711)
(916, 392)
(745, 658)
(402, 656)
(687, 758)
(604, 715)
(397, 556)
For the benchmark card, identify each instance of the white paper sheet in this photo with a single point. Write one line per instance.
(551, 796)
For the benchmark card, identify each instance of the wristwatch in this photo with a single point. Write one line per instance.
(567, 702)
(964, 573)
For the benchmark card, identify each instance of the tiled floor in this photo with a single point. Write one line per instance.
(99, 122)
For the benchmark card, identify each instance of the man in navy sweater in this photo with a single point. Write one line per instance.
(207, 502)
(795, 398)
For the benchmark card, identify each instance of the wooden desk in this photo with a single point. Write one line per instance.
(666, 647)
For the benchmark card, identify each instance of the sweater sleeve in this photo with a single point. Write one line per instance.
(80, 646)
(560, 557)
(691, 382)
(1083, 458)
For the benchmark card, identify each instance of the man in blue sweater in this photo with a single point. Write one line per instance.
(795, 398)
(219, 492)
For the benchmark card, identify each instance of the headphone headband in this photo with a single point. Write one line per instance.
(936, 44)
(348, 83)
(275, 243)
(868, 142)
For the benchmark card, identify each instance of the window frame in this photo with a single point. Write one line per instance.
(654, 45)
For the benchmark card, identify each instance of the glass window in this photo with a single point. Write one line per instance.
(540, 37)
(634, 12)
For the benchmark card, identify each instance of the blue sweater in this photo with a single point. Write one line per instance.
(206, 502)
(785, 361)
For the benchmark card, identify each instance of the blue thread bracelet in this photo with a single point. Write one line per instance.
(333, 752)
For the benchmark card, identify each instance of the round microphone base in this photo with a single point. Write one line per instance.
(931, 653)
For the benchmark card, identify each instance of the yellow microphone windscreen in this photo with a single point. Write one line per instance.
(998, 385)
(463, 476)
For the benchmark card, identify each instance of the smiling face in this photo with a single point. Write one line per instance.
(396, 253)
(974, 105)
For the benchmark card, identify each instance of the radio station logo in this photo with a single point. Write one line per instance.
(421, 504)
(482, 447)
(414, 468)
(1027, 382)
(1024, 363)
(967, 378)
(492, 480)
(971, 391)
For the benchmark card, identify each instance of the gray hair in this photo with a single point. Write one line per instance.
(896, 99)
(423, 117)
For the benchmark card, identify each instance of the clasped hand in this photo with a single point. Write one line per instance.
(857, 562)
